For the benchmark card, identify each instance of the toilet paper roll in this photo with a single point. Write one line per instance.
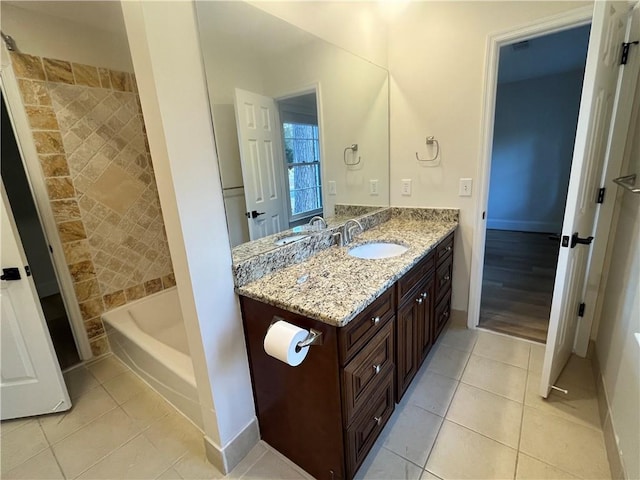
(281, 342)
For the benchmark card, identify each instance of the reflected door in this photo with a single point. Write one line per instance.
(260, 142)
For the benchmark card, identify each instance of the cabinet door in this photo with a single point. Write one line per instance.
(425, 320)
(406, 348)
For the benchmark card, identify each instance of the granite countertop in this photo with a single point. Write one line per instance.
(333, 287)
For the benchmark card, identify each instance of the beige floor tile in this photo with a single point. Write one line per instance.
(125, 386)
(496, 377)
(431, 391)
(536, 358)
(460, 453)
(8, 426)
(247, 462)
(564, 444)
(579, 406)
(79, 381)
(88, 407)
(146, 407)
(170, 474)
(271, 465)
(137, 459)
(382, 464)
(195, 466)
(91, 443)
(487, 413)
(447, 361)
(502, 349)
(21, 444)
(459, 337)
(174, 436)
(411, 432)
(41, 466)
(531, 469)
(427, 475)
(107, 368)
(578, 373)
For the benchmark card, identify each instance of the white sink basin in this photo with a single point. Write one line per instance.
(290, 239)
(371, 251)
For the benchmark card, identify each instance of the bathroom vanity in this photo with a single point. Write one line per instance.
(378, 319)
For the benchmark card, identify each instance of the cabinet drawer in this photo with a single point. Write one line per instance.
(413, 277)
(363, 374)
(444, 250)
(443, 278)
(366, 428)
(441, 315)
(361, 329)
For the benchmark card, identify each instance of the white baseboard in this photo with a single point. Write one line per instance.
(226, 458)
(524, 226)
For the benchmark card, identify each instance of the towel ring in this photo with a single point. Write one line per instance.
(430, 141)
(354, 149)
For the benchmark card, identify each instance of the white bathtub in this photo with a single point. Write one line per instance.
(149, 336)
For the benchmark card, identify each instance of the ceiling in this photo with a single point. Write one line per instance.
(554, 53)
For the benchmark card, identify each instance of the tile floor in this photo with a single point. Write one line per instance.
(472, 412)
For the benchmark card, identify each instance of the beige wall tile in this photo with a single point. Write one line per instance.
(58, 70)
(48, 142)
(94, 328)
(75, 252)
(82, 271)
(153, 286)
(86, 75)
(121, 81)
(60, 188)
(87, 289)
(116, 189)
(42, 118)
(71, 231)
(134, 293)
(92, 308)
(34, 92)
(105, 78)
(54, 165)
(99, 346)
(113, 300)
(168, 281)
(27, 66)
(65, 210)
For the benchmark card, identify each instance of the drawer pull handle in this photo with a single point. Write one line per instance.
(445, 314)
(419, 301)
(447, 278)
(375, 320)
(424, 294)
(376, 369)
(377, 420)
(448, 248)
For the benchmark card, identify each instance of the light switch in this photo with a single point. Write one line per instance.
(405, 188)
(465, 187)
(373, 187)
(332, 187)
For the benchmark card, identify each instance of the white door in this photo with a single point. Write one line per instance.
(598, 93)
(260, 143)
(31, 382)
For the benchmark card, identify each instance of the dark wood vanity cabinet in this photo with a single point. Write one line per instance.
(326, 413)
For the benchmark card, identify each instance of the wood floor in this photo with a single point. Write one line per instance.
(517, 284)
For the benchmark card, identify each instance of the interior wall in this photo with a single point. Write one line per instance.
(534, 133)
(437, 62)
(53, 37)
(617, 346)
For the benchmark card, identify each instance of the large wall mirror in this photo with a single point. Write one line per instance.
(300, 124)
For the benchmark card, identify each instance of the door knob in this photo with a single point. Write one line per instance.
(9, 274)
(254, 214)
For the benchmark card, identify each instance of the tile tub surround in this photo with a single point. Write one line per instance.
(89, 133)
(333, 287)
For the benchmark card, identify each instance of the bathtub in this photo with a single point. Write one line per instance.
(149, 336)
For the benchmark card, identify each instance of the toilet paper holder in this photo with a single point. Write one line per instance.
(314, 337)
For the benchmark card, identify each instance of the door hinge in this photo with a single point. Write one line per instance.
(625, 51)
(581, 308)
(50, 248)
(601, 195)
(27, 270)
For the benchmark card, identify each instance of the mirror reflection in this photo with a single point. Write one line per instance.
(301, 125)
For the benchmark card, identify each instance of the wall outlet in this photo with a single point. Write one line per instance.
(332, 187)
(405, 188)
(373, 187)
(465, 187)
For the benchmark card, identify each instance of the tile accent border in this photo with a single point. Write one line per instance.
(616, 463)
(33, 75)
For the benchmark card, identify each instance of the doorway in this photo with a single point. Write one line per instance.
(37, 248)
(539, 86)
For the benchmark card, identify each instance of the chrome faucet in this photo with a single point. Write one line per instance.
(349, 232)
(317, 218)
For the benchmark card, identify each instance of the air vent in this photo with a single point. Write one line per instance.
(520, 45)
